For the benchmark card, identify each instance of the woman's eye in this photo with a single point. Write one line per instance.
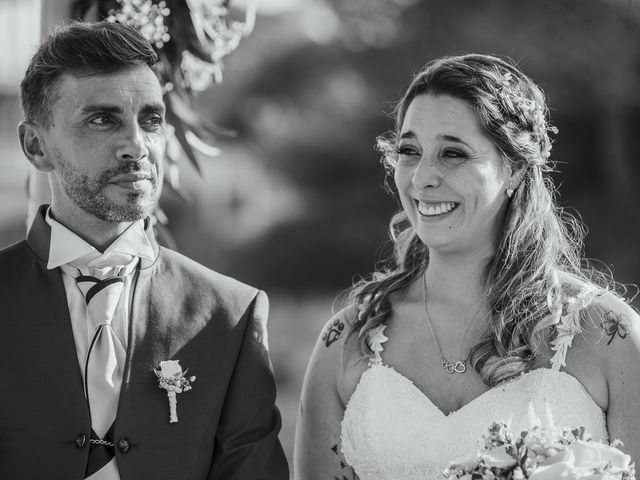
(453, 153)
(407, 151)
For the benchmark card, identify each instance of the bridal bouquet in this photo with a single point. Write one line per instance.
(543, 454)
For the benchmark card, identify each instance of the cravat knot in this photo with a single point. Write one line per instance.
(103, 286)
(102, 297)
(110, 264)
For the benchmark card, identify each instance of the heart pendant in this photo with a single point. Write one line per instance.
(460, 366)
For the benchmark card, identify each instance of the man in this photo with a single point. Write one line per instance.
(98, 325)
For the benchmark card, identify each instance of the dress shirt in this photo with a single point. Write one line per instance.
(67, 248)
(72, 254)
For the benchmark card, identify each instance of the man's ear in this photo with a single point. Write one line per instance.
(31, 137)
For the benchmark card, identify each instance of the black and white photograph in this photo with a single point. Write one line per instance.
(319, 239)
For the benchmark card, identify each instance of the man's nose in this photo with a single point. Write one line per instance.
(427, 173)
(133, 144)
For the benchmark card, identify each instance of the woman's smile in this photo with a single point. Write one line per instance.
(435, 209)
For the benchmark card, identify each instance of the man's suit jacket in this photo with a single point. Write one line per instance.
(215, 326)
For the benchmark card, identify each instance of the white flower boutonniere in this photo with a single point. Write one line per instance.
(172, 379)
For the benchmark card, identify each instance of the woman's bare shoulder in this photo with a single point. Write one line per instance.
(337, 330)
(336, 349)
(615, 341)
(598, 324)
(614, 325)
(353, 362)
(599, 312)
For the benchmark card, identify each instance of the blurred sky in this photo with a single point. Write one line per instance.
(269, 7)
(307, 92)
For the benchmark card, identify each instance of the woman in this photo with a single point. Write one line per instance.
(485, 313)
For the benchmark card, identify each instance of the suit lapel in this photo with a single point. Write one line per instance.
(138, 326)
(154, 335)
(51, 334)
(139, 314)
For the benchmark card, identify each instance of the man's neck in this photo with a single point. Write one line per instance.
(96, 232)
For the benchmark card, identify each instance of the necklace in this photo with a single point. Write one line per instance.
(457, 367)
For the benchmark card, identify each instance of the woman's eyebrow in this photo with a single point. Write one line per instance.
(453, 138)
(408, 134)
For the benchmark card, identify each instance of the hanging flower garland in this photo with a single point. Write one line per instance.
(146, 17)
(191, 37)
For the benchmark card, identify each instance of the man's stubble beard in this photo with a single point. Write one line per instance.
(88, 193)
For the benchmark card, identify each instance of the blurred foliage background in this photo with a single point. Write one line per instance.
(295, 203)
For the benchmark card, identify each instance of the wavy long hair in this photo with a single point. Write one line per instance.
(537, 240)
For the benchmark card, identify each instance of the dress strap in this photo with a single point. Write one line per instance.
(375, 339)
(567, 321)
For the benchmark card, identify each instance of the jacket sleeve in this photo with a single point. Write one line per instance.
(246, 443)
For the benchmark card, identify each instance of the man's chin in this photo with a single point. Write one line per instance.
(130, 207)
(116, 213)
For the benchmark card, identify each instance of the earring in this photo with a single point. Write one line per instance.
(510, 190)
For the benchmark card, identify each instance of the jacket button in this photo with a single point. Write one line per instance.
(80, 440)
(123, 445)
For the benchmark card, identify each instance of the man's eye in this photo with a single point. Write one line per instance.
(100, 120)
(154, 121)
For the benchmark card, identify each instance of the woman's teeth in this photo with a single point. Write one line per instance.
(430, 210)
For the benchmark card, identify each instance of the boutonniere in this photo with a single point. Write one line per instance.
(172, 379)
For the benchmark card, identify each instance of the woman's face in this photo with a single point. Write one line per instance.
(450, 176)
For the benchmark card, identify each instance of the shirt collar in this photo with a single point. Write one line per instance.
(66, 247)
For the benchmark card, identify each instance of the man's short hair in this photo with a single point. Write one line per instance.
(80, 49)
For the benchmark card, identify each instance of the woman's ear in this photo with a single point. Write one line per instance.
(516, 174)
(31, 137)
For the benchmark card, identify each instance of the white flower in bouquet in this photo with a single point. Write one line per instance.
(543, 454)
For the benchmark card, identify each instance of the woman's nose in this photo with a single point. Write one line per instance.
(426, 174)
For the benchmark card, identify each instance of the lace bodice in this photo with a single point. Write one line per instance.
(392, 431)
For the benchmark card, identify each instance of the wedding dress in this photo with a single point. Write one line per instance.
(392, 431)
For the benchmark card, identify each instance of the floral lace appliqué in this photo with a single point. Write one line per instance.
(376, 338)
(566, 318)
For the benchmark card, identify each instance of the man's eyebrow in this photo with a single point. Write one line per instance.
(157, 108)
(102, 108)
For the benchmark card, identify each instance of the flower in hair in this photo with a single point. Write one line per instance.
(516, 102)
(512, 97)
